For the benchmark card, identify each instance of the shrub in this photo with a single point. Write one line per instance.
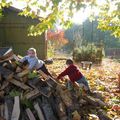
(88, 53)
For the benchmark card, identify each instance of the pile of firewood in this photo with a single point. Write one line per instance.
(40, 97)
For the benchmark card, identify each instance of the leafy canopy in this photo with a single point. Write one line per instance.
(50, 11)
(109, 17)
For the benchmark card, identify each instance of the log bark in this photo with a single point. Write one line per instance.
(16, 109)
(60, 108)
(32, 94)
(95, 102)
(7, 74)
(39, 111)
(30, 114)
(65, 95)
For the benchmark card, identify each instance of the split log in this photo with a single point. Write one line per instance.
(30, 114)
(65, 95)
(2, 93)
(47, 110)
(18, 69)
(7, 74)
(5, 52)
(23, 73)
(32, 94)
(94, 101)
(39, 111)
(16, 109)
(2, 107)
(50, 81)
(1, 118)
(102, 115)
(60, 108)
(76, 116)
(20, 84)
(9, 102)
(6, 113)
(4, 85)
(44, 90)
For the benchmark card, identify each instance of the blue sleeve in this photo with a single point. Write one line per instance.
(23, 59)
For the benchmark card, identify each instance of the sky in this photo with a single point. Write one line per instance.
(78, 17)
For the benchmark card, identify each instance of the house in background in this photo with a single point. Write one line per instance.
(13, 33)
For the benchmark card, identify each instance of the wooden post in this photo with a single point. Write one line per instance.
(30, 114)
(16, 109)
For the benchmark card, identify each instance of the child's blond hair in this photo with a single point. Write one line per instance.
(32, 49)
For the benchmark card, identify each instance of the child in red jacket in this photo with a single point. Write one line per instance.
(74, 75)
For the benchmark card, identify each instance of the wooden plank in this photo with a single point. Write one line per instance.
(2, 110)
(39, 111)
(9, 101)
(20, 84)
(7, 74)
(16, 109)
(6, 114)
(33, 93)
(30, 114)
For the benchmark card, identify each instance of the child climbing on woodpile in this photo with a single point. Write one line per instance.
(75, 76)
(33, 62)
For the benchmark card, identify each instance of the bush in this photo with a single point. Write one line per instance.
(88, 53)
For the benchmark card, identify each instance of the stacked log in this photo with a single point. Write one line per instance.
(39, 98)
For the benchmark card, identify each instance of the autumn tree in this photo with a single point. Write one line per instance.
(56, 39)
(49, 11)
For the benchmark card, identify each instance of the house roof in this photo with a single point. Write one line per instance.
(17, 10)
